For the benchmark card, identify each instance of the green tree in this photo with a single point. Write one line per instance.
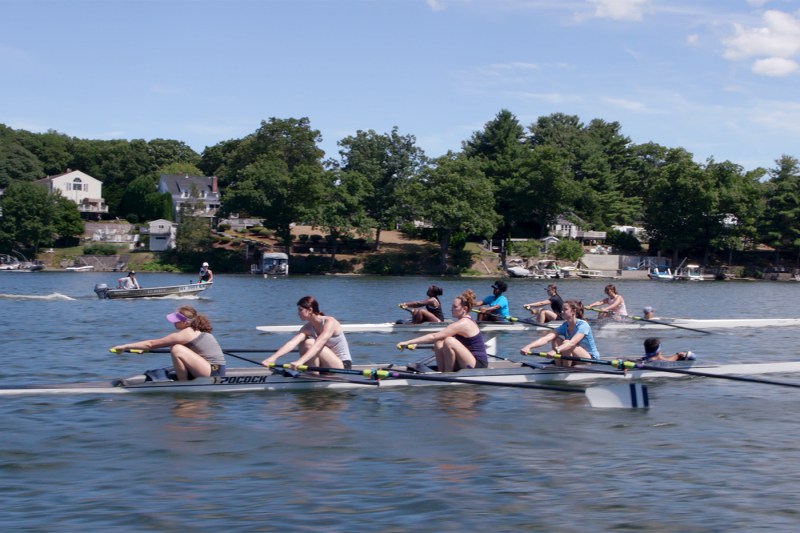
(27, 217)
(454, 196)
(17, 163)
(193, 236)
(343, 213)
(568, 250)
(68, 225)
(678, 203)
(500, 152)
(388, 162)
(781, 223)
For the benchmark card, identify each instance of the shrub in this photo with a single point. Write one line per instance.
(568, 250)
(224, 227)
(101, 248)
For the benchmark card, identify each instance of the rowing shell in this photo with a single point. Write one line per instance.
(263, 379)
(663, 323)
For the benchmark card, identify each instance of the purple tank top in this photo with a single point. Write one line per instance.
(476, 346)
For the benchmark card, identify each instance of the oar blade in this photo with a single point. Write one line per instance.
(622, 396)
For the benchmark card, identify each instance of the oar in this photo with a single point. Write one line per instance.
(226, 352)
(166, 350)
(531, 321)
(622, 364)
(629, 395)
(634, 317)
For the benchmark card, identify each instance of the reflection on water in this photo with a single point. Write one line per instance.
(450, 458)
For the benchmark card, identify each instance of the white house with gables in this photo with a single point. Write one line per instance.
(186, 189)
(162, 235)
(79, 187)
(564, 228)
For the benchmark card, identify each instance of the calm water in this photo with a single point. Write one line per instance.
(710, 455)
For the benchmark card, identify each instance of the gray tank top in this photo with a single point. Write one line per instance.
(337, 344)
(206, 346)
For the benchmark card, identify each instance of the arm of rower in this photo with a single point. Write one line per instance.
(572, 343)
(179, 337)
(286, 348)
(452, 329)
(541, 341)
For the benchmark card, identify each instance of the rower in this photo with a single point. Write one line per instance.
(652, 352)
(427, 310)
(321, 341)
(494, 307)
(614, 304)
(460, 345)
(648, 312)
(556, 304)
(573, 338)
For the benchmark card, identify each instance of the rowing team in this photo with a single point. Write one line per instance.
(321, 342)
(495, 307)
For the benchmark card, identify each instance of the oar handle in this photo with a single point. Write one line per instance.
(402, 347)
(129, 350)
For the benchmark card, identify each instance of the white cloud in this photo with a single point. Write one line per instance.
(779, 37)
(775, 66)
(628, 105)
(619, 9)
(757, 3)
(436, 5)
(693, 39)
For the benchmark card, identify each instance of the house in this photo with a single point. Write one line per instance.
(162, 235)
(79, 187)
(566, 229)
(192, 190)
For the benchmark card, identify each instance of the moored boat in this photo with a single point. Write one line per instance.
(689, 273)
(661, 273)
(189, 289)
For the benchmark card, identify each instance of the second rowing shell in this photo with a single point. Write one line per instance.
(662, 323)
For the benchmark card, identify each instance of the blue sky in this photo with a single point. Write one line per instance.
(717, 77)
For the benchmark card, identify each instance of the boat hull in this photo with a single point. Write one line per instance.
(103, 292)
(663, 323)
(263, 379)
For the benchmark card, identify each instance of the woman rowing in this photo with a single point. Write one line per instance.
(321, 341)
(572, 338)
(194, 350)
(556, 305)
(614, 304)
(427, 310)
(460, 344)
(652, 352)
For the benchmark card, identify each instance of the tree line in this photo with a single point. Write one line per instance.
(506, 180)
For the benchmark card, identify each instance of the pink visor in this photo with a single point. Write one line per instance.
(176, 317)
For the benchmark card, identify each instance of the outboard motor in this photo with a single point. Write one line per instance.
(101, 289)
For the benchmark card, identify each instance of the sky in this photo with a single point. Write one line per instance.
(719, 78)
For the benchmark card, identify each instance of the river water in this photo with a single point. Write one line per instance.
(709, 455)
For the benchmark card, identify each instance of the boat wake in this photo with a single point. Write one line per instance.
(50, 297)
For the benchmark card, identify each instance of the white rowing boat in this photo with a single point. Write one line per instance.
(660, 323)
(500, 372)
